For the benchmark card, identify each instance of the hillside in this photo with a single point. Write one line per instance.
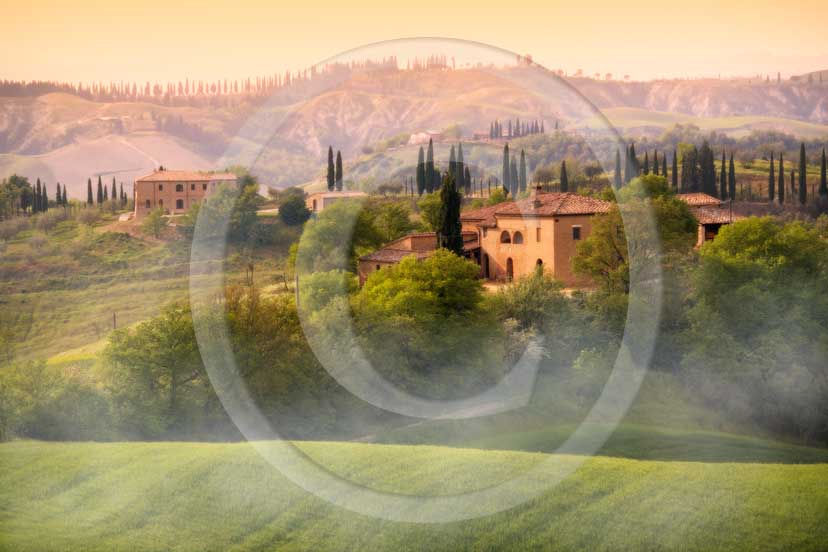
(66, 138)
(187, 496)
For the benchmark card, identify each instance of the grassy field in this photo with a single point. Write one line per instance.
(184, 496)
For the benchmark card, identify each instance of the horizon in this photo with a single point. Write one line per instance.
(150, 43)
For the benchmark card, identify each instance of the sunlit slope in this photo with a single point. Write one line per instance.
(225, 497)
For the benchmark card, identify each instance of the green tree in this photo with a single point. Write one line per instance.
(44, 199)
(731, 179)
(617, 178)
(522, 174)
(646, 169)
(429, 207)
(564, 177)
(664, 165)
(293, 211)
(37, 204)
(338, 171)
(675, 174)
(823, 180)
(89, 191)
(100, 191)
(803, 183)
(331, 170)
(771, 181)
(723, 177)
(655, 163)
(154, 223)
(514, 182)
(461, 170)
(429, 167)
(507, 173)
(781, 190)
(449, 230)
(58, 196)
(114, 193)
(421, 172)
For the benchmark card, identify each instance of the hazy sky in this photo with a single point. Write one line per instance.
(169, 40)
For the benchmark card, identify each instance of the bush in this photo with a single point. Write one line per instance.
(88, 216)
(13, 226)
(48, 220)
(155, 223)
(293, 211)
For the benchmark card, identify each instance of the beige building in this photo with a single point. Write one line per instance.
(317, 202)
(175, 191)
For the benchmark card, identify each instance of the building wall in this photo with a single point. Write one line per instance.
(317, 203)
(174, 197)
(547, 239)
(366, 268)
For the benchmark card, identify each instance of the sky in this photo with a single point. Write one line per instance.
(168, 40)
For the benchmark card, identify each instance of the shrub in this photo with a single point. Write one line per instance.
(88, 216)
(293, 211)
(13, 226)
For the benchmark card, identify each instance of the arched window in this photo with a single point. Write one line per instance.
(518, 238)
(539, 262)
(505, 237)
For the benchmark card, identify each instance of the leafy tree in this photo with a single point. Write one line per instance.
(449, 229)
(564, 177)
(803, 190)
(421, 172)
(331, 170)
(338, 171)
(293, 211)
(461, 170)
(429, 207)
(154, 223)
(708, 170)
(468, 180)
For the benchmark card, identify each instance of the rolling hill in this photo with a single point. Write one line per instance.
(195, 496)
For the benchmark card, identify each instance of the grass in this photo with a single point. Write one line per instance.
(185, 496)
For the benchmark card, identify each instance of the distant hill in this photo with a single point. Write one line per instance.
(64, 137)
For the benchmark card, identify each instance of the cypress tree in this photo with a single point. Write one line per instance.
(421, 174)
(453, 165)
(89, 191)
(781, 190)
(468, 180)
(506, 171)
(646, 169)
(708, 170)
(429, 167)
(338, 175)
(823, 180)
(449, 231)
(542, 131)
(65, 199)
(44, 199)
(462, 184)
(100, 191)
(675, 170)
(36, 203)
(58, 197)
(627, 166)
(617, 169)
(634, 164)
(114, 190)
(106, 193)
(664, 165)
(509, 132)
(655, 163)
(803, 191)
(731, 180)
(514, 183)
(771, 181)
(122, 195)
(522, 174)
(564, 177)
(723, 178)
(331, 170)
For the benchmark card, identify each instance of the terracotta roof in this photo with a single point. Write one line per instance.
(484, 216)
(554, 204)
(699, 199)
(715, 215)
(185, 176)
(395, 251)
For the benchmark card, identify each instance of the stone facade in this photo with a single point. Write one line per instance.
(317, 202)
(175, 191)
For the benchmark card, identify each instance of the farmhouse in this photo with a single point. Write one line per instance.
(711, 213)
(318, 201)
(175, 191)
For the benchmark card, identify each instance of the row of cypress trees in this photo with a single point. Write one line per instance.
(103, 194)
(334, 171)
(776, 186)
(514, 172)
(519, 129)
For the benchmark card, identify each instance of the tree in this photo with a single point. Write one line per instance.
(293, 211)
(58, 196)
(617, 180)
(646, 169)
(507, 173)
(803, 190)
(154, 223)
(564, 177)
(771, 181)
(114, 193)
(449, 230)
(664, 165)
(708, 170)
(421, 172)
(429, 207)
(514, 183)
(44, 200)
(105, 194)
(452, 164)
(823, 180)
(723, 178)
(100, 196)
(36, 205)
(522, 173)
(429, 168)
(675, 171)
(781, 189)
(122, 195)
(461, 170)
(331, 170)
(89, 191)
(467, 178)
(731, 180)
(65, 199)
(655, 163)
(338, 171)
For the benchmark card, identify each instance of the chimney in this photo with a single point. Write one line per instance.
(535, 196)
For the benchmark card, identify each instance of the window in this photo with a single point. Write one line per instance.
(148, 205)
(179, 187)
(160, 187)
(160, 202)
(378, 267)
(204, 186)
(518, 239)
(576, 233)
(179, 203)
(505, 237)
(537, 233)
(192, 187)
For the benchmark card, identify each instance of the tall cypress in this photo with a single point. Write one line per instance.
(514, 184)
(675, 170)
(421, 178)
(122, 195)
(467, 178)
(780, 192)
(617, 169)
(564, 177)
(36, 203)
(708, 170)
(338, 175)
(461, 170)
(65, 199)
(58, 197)
(655, 163)
(823, 180)
(506, 171)
(646, 169)
(106, 194)
(664, 165)
(89, 191)
(331, 170)
(44, 199)
(731, 180)
(449, 231)
(522, 173)
(114, 193)
(100, 191)
(429, 167)
(723, 178)
(771, 181)
(453, 165)
(803, 191)
(635, 166)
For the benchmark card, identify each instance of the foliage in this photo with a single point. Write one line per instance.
(293, 211)
(154, 223)
(429, 207)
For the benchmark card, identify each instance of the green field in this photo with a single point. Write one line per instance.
(185, 496)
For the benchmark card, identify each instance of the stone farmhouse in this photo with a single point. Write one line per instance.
(317, 202)
(711, 212)
(175, 191)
